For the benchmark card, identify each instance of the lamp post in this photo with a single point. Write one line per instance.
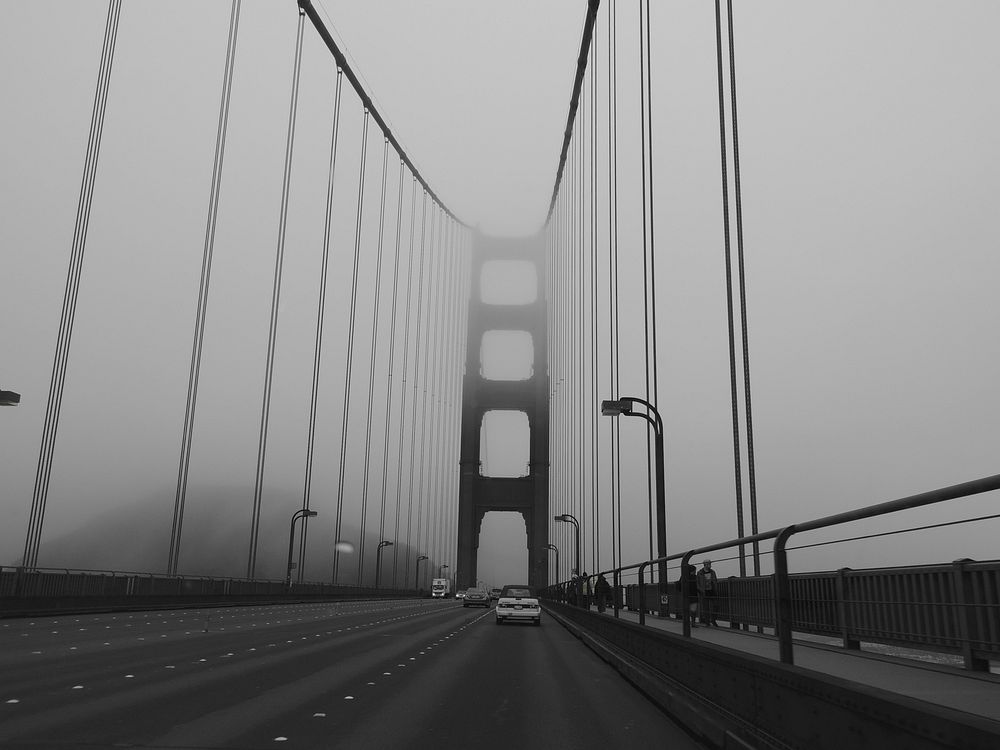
(303, 513)
(623, 406)
(570, 519)
(9, 398)
(416, 580)
(555, 549)
(378, 560)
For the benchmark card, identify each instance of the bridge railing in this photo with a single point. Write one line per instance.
(950, 608)
(39, 589)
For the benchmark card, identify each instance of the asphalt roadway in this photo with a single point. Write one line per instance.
(403, 674)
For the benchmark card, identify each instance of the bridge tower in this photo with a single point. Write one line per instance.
(529, 494)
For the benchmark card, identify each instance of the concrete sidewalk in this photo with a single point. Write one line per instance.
(973, 692)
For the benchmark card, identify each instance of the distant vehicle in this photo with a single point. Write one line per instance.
(440, 588)
(518, 602)
(494, 594)
(476, 597)
(460, 594)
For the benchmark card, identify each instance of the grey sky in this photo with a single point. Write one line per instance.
(869, 170)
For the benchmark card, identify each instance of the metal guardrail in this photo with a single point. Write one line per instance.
(21, 585)
(951, 608)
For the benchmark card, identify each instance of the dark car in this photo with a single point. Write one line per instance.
(476, 598)
(495, 594)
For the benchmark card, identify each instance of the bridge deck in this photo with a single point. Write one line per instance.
(973, 692)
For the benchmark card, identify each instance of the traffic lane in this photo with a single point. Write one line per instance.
(38, 669)
(105, 700)
(486, 686)
(21, 637)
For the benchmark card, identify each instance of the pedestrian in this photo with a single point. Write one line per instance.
(585, 590)
(707, 592)
(689, 583)
(602, 590)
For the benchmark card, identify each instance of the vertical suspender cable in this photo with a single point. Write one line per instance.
(320, 317)
(198, 338)
(613, 279)
(743, 295)
(272, 336)
(652, 219)
(348, 366)
(371, 368)
(433, 284)
(416, 370)
(443, 382)
(594, 467)
(645, 262)
(431, 386)
(402, 394)
(729, 290)
(578, 346)
(57, 381)
(388, 378)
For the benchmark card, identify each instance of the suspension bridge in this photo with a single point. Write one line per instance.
(274, 363)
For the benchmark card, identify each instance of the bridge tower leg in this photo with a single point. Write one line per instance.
(529, 494)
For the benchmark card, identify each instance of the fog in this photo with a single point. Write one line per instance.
(869, 169)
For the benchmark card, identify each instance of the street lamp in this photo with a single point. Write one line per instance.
(416, 580)
(303, 513)
(9, 398)
(623, 406)
(555, 549)
(378, 559)
(570, 519)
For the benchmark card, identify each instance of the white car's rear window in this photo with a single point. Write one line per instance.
(517, 592)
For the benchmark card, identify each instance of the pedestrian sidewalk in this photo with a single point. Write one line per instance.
(954, 687)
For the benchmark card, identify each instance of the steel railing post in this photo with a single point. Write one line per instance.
(783, 596)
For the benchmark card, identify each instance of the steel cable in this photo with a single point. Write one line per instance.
(57, 381)
(388, 377)
(194, 373)
(371, 367)
(320, 318)
(416, 371)
(751, 472)
(348, 366)
(645, 265)
(272, 335)
(402, 390)
(729, 289)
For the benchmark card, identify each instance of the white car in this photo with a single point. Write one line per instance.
(517, 602)
(460, 594)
